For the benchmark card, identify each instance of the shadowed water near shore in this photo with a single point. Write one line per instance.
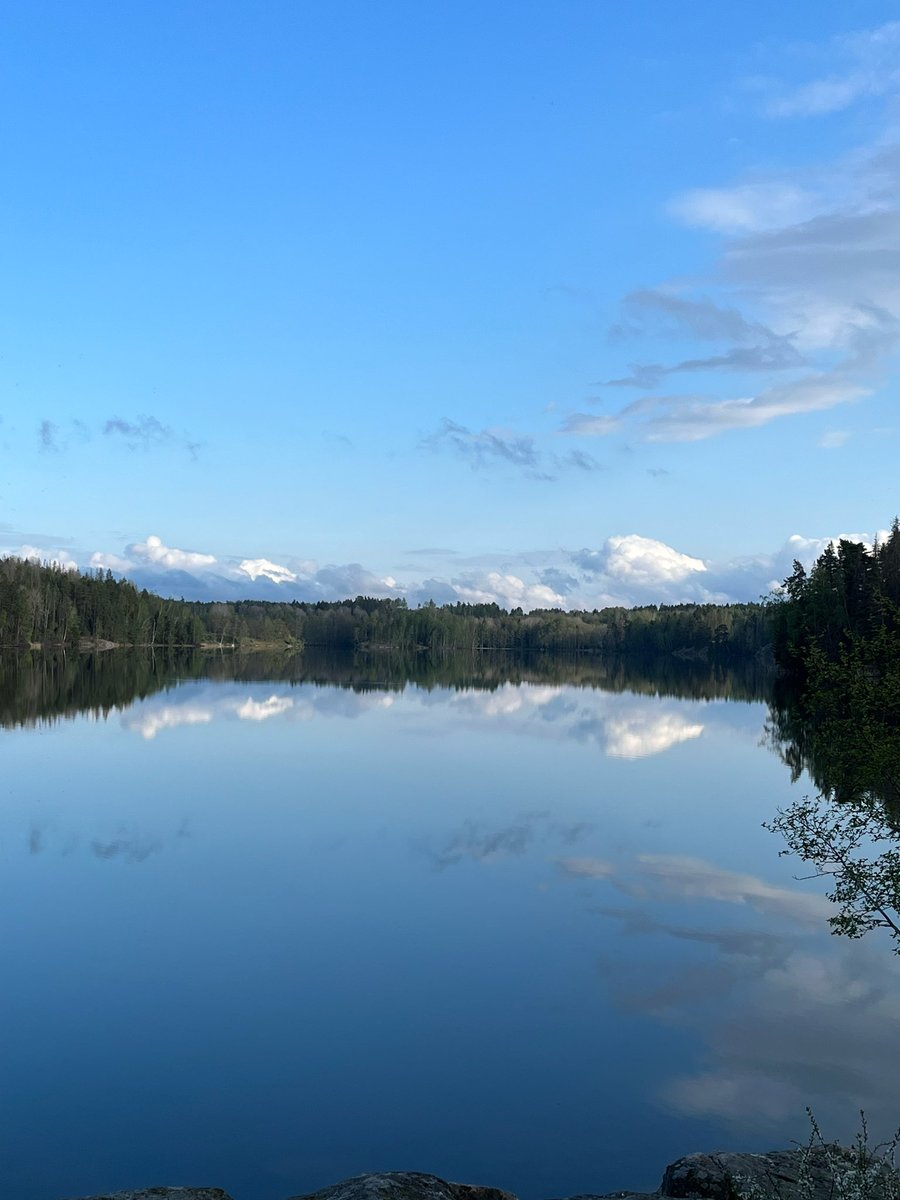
(39, 687)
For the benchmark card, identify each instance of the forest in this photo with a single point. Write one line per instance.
(850, 596)
(43, 605)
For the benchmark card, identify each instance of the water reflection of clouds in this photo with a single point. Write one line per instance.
(127, 843)
(482, 843)
(624, 725)
(510, 699)
(148, 723)
(642, 734)
(790, 1016)
(133, 845)
(818, 1028)
(222, 702)
(262, 710)
(677, 876)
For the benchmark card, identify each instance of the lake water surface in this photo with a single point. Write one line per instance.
(266, 934)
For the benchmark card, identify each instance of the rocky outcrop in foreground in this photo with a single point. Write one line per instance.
(808, 1174)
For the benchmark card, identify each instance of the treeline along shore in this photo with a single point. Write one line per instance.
(851, 594)
(44, 605)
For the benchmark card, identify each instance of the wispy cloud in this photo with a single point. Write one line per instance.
(858, 66)
(47, 436)
(834, 439)
(745, 207)
(827, 282)
(580, 460)
(496, 447)
(486, 447)
(694, 418)
(802, 301)
(144, 431)
(592, 424)
(46, 541)
(672, 312)
(780, 356)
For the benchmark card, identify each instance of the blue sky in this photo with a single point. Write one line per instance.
(550, 304)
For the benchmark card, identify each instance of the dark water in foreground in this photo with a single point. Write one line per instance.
(266, 933)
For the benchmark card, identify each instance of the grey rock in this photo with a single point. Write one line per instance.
(776, 1174)
(405, 1185)
(165, 1193)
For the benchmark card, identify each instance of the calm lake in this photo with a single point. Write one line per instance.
(268, 926)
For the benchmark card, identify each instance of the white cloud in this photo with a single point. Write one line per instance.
(689, 419)
(806, 550)
(865, 64)
(631, 569)
(156, 552)
(257, 568)
(56, 558)
(645, 561)
(745, 208)
(352, 579)
(509, 591)
(100, 559)
(591, 425)
(834, 439)
(625, 570)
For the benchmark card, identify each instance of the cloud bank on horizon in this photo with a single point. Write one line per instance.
(626, 570)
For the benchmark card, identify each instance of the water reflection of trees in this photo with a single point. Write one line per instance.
(39, 688)
(849, 744)
(658, 676)
(842, 727)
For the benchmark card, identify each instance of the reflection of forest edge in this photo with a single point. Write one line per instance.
(36, 688)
